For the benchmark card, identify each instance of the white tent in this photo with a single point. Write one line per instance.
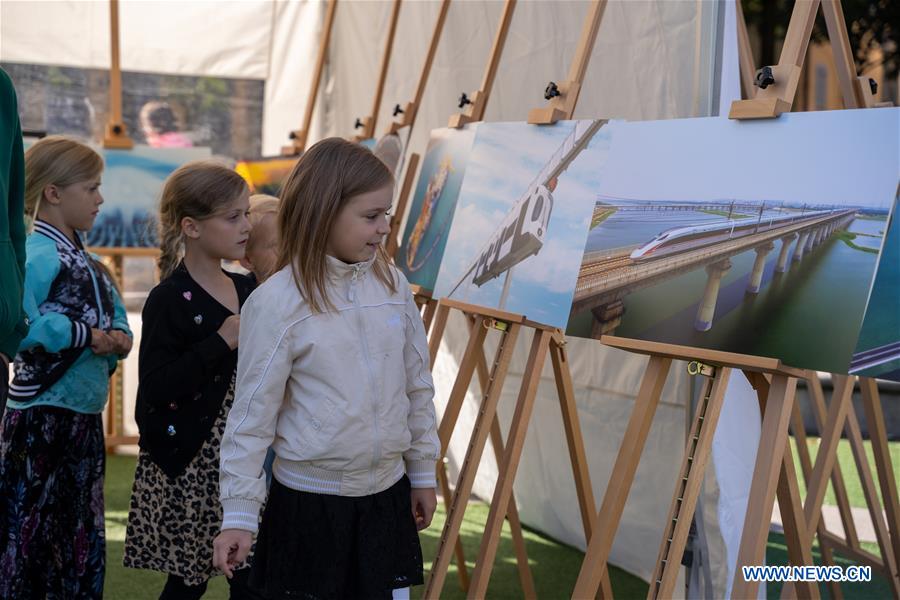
(652, 60)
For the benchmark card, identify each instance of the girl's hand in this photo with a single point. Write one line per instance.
(424, 503)
(122, 342)
(230, 549)
(101, 342)
(230, 329)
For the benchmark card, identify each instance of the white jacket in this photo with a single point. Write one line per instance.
(345, 397)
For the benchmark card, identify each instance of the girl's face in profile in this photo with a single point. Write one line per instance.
(361, 225)
(79, 203)
(223, 235)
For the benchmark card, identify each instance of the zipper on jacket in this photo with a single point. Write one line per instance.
(376, 449)
(90, 268)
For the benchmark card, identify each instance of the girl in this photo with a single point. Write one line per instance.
(188, 355)
(334, 369)
(52, 456)
(262, 246)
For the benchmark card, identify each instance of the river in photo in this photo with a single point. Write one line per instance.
(809, 316)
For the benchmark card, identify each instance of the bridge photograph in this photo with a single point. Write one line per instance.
(764, 244)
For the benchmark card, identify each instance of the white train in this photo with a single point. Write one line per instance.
(521, 235)
(696, 236)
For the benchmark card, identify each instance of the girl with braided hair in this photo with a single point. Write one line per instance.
(188, 355)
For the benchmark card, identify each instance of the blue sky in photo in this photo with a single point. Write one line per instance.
(830, 157)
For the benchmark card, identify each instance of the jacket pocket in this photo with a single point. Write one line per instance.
(314, 432)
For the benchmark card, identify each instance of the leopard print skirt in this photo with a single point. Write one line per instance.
(172, 522)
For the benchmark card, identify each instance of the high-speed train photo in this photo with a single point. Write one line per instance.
(679, 239)
(521, 235)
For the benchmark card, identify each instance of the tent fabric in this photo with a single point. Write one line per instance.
(201, 37)
(652, 60)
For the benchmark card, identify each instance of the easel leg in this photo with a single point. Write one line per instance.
(510, 463)
(886, 473)
(512, 511)
(687, 487)
(476, 448)
(458, 552)
(769, 459)
(461, 385)
(826, 458)
(827, 454)
(436, 333)
(594, 565)
(799, 544)
(428, 314)
(865, 475)
(583, 488)
(799, 431)
(817, 400)
(795, 534)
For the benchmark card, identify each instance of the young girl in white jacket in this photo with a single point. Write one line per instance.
(333, 372)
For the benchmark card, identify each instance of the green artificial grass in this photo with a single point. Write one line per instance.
(776, 554)
(554, 566)
(848, 469)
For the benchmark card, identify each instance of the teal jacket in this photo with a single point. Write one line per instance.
(66, 296)
(12, 223)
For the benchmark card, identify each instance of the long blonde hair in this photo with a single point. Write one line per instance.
(197, 190)
(327, 175)
(60, 161)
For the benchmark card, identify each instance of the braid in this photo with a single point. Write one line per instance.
(170, 249)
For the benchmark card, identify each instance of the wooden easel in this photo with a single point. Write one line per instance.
(299, 137)
(411, 109)
(114, 435)
(408, 119)
(116, 134)
(778, 94)
(473, 112)
(367, 124)
(545, 340)
(856, 93)
(887, 533)
(474, 107)
(116, 137)
(773, 474)
(775, 385)
(428, 306)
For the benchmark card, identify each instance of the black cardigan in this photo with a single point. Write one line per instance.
(185, 368)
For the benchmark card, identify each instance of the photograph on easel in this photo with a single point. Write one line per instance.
(877, 351)
(434, 204)
(514, 245)
(132, 182)
(391, 149)
(757, 237)
(266, 175)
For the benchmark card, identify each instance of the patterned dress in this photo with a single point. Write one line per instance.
(172, 522)
(52, 462)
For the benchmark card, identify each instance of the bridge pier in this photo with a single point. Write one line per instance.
(809, 240)
(782, 265)
(707, 309)
(759, 266)
(801, 246)
(606, 318)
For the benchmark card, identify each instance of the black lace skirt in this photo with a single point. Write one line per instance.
(321, 546)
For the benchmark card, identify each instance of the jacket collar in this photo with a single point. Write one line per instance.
(48, 230)
(338, 269)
